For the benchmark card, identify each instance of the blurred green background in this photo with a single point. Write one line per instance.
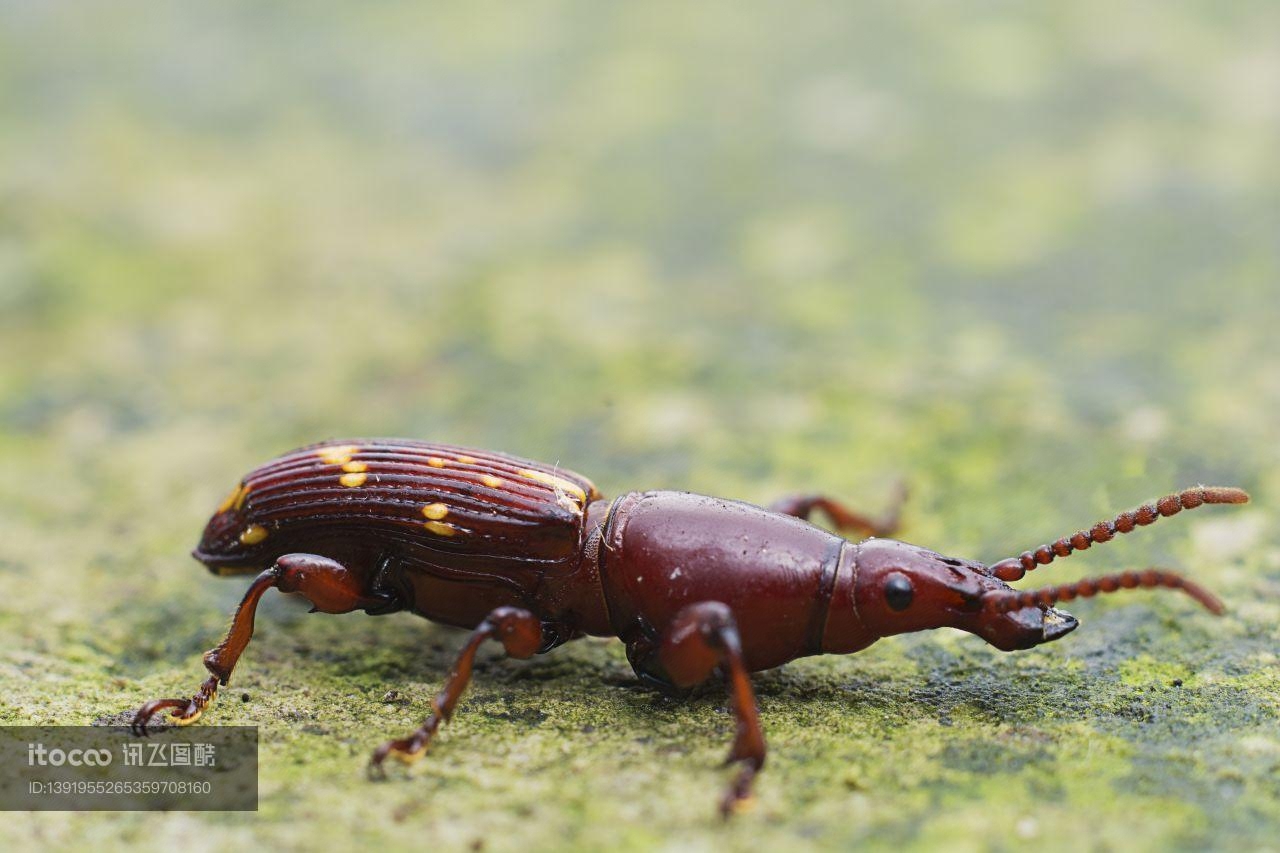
(1026, 256)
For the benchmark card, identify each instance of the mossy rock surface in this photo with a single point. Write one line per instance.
(1023, 258)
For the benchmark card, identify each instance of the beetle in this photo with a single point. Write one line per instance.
(533, 556)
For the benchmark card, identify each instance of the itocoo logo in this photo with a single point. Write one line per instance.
(38, 754)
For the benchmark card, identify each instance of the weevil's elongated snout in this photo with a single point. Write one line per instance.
(902, 588)
(1023, 629)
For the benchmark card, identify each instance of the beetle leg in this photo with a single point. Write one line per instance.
(702, 637)
(845, 519)
(327, 584)
(520, 633)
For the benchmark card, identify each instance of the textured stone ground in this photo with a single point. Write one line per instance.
(1026, 260)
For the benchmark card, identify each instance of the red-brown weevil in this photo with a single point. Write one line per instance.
(533, 556)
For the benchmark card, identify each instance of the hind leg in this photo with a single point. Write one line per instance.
(327, 584)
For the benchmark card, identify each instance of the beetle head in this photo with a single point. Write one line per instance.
(231, 543)
(901, 588)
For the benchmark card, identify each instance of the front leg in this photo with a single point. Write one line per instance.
(845, 519)
(702, 637)
(327, 584)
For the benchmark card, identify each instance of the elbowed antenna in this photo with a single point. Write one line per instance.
(1014, 599)
(1014, 568)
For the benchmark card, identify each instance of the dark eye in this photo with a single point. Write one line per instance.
(898, 591)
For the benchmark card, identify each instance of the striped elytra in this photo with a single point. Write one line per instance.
(424, 497)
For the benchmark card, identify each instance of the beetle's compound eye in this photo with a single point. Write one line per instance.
(898, 591)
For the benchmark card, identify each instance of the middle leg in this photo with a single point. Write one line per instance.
(520, 633)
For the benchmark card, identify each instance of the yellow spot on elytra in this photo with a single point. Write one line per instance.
(465, 459)
(338, 455)
(253, 534)
(560, 484)
(235, 499)
(435, 512)
(436, 462)
(440, 528)
(492, 481)
(353, 481)
(355, 467)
